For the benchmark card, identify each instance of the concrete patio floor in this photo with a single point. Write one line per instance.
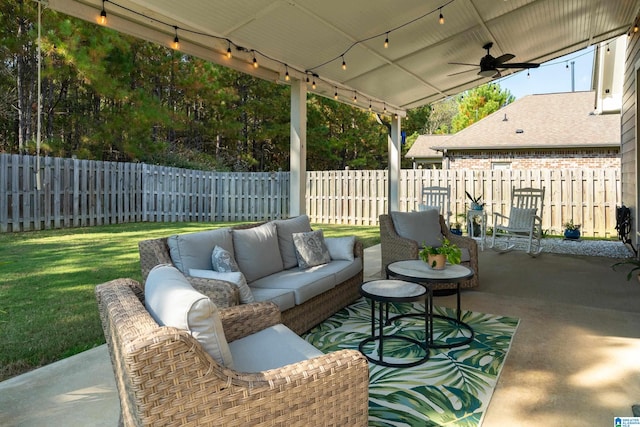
(573, 361)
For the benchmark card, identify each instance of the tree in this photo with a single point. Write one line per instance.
(477, 103)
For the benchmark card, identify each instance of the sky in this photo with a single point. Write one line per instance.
(552, 76)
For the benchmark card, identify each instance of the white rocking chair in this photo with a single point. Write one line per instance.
(524, 221)
(436, 198)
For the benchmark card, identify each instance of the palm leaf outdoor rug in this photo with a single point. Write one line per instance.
(452, 388)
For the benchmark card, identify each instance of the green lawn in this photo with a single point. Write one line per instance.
(47, 305)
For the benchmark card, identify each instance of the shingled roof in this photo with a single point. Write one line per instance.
(421, 148)
(555, 120)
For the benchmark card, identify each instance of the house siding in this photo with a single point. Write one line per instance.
(628, 147)
(545, 159)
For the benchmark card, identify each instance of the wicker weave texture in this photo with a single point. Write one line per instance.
(396, 248)
(164, 377)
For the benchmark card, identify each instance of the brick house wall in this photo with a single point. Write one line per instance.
(535, 159)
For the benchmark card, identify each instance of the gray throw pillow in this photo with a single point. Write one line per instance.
(422, 226)
(311, 249)
(286, 228)
(223, 261)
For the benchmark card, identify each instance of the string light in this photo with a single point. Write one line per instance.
(103, 15)
(386, 41)
(335, 93)
(344, 64)
(635, 27)
(441, 18)
(370, 106)
(313, 84)
(255, 60)
(176, 40)
(608, 50)
(355, 97)
(528, 74)
(229, 51)
(286, 74)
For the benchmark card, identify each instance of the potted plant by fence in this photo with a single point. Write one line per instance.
(571, 230)
(437, 256)
(476, 204)
(456, 228)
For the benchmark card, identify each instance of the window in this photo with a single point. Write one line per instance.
(500, 165)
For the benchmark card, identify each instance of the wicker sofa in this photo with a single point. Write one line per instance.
(165, 377)
(394, 247)
(299, 318)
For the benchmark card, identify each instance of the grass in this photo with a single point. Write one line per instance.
(48, 309)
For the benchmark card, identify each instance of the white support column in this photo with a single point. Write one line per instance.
(395, 151)
(298, 148)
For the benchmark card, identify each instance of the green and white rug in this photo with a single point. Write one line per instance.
(452, 388)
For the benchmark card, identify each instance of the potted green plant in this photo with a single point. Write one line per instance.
(571, 230)
(476, 205)
(437, 256)
(456, 228)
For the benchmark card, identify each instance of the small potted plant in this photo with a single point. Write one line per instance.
(571, 230)
(437, 256)
(456, 228)
(476, 205)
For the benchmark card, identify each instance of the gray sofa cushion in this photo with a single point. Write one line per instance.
(256, 251)
(193, 250)
(271, 348)
(283, 298)
(422, 226)
(286, 228)
(341, 247)
(306, 284)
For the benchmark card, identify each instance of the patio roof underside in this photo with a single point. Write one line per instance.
(310, 38)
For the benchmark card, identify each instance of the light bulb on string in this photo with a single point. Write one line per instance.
(386, 41)
(344, 64)
(313, 84)
(176, 40)
(286, 74)
(335, 93)
(528, 74)
(255, 61)
(103, 15)
(355, 97)
(441, 18)
(229, 51)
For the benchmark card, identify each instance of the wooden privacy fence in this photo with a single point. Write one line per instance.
(76, 193)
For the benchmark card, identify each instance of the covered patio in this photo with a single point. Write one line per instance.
(573, 361)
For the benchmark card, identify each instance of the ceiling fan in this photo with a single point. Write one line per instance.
(489, 66)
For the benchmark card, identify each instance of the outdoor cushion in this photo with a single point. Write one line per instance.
(305, 284)
(340, 247)
(257, 352)
(422, 226)
(193, 250)
(172, 301)
(256, 251)
(235, 277)
(311, 249)
(286, 228)
(222, 260)
(283, 298)
(521, 218)
(423, 208)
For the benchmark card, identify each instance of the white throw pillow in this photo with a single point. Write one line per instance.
(311, 249)
(341, 247)
(172, 301)
(257, 252)
(235, 277)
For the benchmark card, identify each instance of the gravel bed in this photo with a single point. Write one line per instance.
(603, 248)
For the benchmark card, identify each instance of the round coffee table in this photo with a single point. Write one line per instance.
(418, 271)
(384, 292)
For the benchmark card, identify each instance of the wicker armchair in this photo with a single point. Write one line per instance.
(396, 248)
(164, 377)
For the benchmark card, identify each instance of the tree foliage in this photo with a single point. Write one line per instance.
(477, 103)
(109, 96)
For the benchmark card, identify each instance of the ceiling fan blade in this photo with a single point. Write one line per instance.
(520, 65)
(459, 72)
(504, 58)
(462, 63)
(488, 72)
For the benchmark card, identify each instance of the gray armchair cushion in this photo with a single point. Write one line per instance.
(422, 226)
